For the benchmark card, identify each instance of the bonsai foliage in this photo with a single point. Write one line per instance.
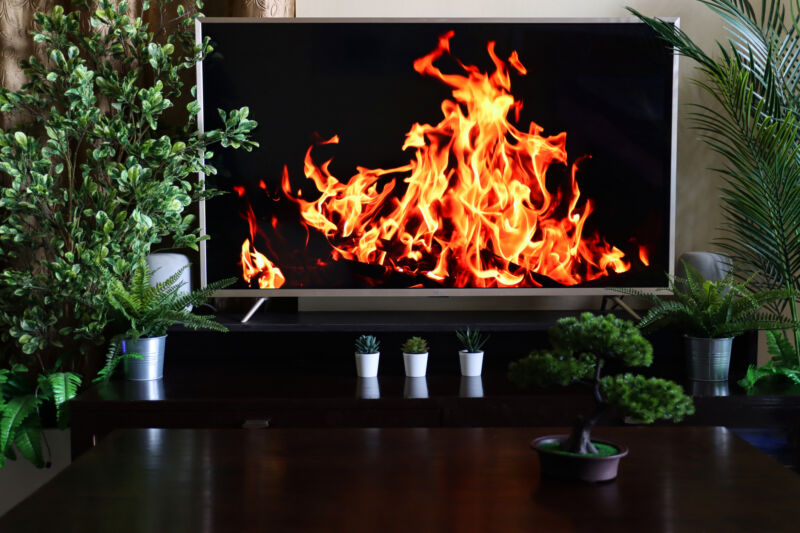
(754, 124)
(90, 180)
(473, 341)
(367, 344)
(581, 349)
(415, 345)
(713, 309)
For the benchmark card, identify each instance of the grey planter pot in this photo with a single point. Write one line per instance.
(708, 359)
(151, 366)
(577, 467)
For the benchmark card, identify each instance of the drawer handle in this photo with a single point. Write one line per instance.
(260, 423)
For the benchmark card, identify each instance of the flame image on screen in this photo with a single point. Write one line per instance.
(475, 211)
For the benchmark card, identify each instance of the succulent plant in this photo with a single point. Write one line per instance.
(367, 344)
(415, 345)
(472, 340)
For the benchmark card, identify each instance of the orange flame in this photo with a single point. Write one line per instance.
(255, 265)
(643, 257)
(476, 211)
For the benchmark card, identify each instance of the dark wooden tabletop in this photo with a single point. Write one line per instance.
(675, 479)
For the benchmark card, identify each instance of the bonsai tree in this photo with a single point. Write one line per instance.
(415, 345)
(472, 340)
(713, 309)
(581, 349)
(90, 179)
(753, 124)
(367, 344)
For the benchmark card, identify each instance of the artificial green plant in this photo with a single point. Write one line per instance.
(754, 124)
(581, 347)
(712, 309)
(90, 179)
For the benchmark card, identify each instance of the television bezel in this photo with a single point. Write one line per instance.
(444, 291)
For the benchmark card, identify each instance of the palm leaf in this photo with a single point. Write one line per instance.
(28, 439)
(65, 386)
(14, 413)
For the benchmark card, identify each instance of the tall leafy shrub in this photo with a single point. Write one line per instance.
(754, 124)
(91, 179)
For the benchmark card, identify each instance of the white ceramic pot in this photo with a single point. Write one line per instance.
(415, 364)
(471, 362)
(415, 388)
(367, 364)
(163, 265)
(368, 388)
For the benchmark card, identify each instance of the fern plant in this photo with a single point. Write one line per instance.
(147, 311)
(22, 395)
(713, 309)
(415, 345)
(755, 125)
(472, 340)
(367, 344)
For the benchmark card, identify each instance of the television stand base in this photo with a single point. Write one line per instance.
(616, 301)
(253, 309)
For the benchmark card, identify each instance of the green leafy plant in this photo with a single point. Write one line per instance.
(91, 178)
(415, 345)
(472, 340)
(712, 309)
(580, 349)
(754, 124)
(146, 310)
(367, 344)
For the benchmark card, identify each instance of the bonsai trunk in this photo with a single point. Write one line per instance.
(579, 440)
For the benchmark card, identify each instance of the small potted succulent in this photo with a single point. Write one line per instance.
(367, 351)
(580, 349)
(470, 356)
(415, 356)
(710, 314)
(143, 314)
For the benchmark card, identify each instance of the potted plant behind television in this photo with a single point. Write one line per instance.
(581, 348)
(753, 123)
(470, 357)
(415, 356)
(368, 353)
(710, 314)
(144, 312)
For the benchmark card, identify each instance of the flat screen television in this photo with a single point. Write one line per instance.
(441, 157)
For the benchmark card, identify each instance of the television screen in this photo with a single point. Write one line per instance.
(438, 157)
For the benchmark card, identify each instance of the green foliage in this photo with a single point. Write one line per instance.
(754, 124)
(581, 347)
(367, 344)
(713, 309)
(90, 179)
(605, 337)
(473, 340)
(147, 311)
(415, 345)
(542, 368)
(780, 375)
(646, 399)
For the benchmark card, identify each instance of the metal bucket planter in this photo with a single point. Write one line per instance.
(151, 366)
(708, 359)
